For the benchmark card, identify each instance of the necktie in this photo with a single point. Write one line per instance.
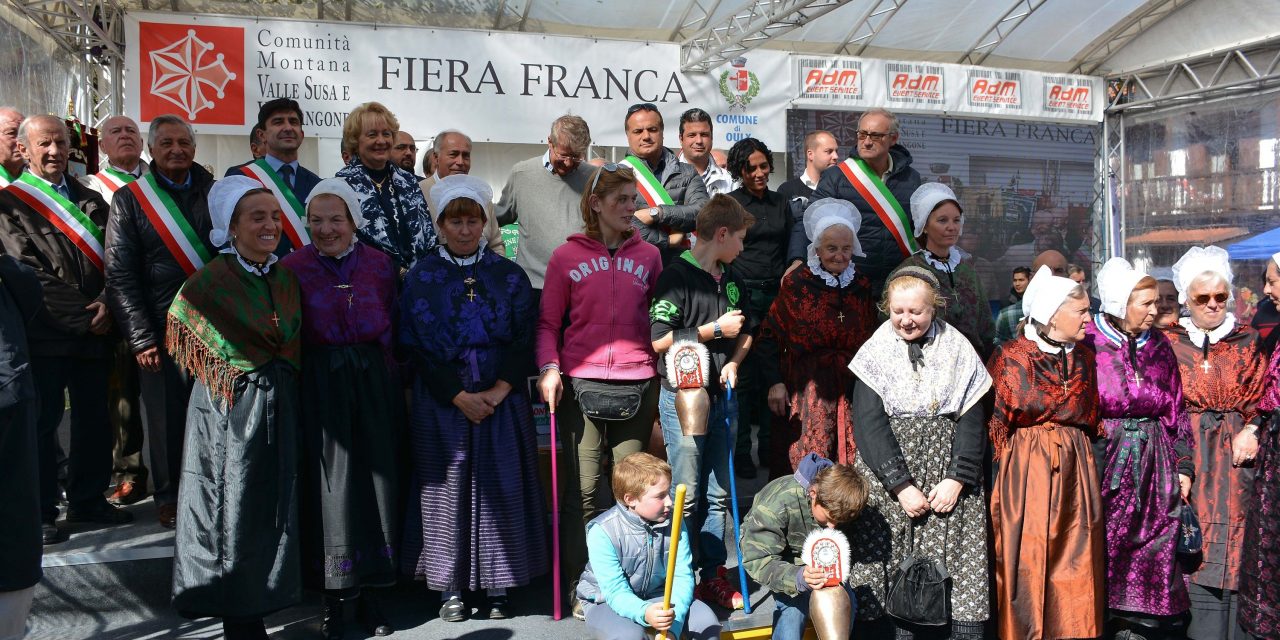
(286, 172)
(61, 188)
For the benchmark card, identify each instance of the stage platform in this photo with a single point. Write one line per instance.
(113, 583)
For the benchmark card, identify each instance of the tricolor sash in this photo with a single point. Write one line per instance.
(5, 178)
(114, 179)
(168, 221)
(295, 214)
(873, 190)
(63, 214)
(647, 184)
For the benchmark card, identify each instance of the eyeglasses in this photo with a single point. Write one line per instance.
(875, 136)
(641, 106)
(1203, 298)
(611, 167)
(564, 156)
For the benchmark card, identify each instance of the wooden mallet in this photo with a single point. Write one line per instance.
(676, 518)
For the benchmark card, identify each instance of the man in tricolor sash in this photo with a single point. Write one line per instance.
(157, 236)
(10, 158)
(879, 180)
(671, 192)
(279, 171)
(55, 226)
(122, 145)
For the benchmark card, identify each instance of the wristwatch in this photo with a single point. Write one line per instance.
(715, 330)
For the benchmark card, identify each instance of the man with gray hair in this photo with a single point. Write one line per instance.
(122, 144)
(878, 179)
(451, 151)
(10, 158)
(54, 225)
(544, 195)
(157, 236)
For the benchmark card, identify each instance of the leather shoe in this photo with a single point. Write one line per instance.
(99, 512)
(371, 616)
(128, 492)
(168, 515)
(49, 533)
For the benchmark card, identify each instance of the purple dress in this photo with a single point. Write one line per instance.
(1146, 444)
(477, 517)
(1260, 565)
(351, 415)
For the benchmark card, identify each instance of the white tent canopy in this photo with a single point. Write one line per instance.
(1098, 37)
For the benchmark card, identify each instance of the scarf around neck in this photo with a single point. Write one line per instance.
(226, 322)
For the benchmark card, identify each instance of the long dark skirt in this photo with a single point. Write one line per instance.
(236, 552)
(1260, 567)
(480, 518)
(347, 496)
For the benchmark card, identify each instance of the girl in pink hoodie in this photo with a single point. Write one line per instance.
(598, 369)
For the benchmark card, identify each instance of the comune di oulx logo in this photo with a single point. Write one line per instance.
(739, 86)
(184, 74)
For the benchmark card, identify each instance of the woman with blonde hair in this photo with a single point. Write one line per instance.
(1144, 456)
(598, 369)
(398, 223)
(919, 426)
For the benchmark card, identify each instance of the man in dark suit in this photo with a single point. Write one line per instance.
(55, 226)
(281, 122)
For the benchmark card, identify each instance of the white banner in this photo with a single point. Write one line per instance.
(924, 87)
(494, 86)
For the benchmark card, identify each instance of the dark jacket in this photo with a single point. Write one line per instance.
(70, 280)
(687, 191)
(20, 547)
(883, 254)
(142, 275)
(687, 297)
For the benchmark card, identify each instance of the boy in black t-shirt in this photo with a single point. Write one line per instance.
(698, 298)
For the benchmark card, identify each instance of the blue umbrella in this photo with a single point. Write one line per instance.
(1260, 247)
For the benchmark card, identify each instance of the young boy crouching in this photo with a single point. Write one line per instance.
(627, 546)
(819, 494)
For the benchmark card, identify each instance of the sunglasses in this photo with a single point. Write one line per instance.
(611, 167)
(1204, 298)
(641, 106)
(875, 136)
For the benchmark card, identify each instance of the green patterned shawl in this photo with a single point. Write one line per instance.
(223, 323)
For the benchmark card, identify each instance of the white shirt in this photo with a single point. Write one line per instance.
(716, 179)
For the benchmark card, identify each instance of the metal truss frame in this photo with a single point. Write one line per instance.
(507, 17)
(91, 31)
(868, 27)
(1117, 37)
(748, 28)
(1111, 170)
(1238, 69)
(999, 31)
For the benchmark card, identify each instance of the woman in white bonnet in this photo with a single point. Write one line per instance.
(1223, 378)
(1046, 511)
(825, 310)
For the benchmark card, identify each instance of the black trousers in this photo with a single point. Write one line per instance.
(164, 414)
(84, 380)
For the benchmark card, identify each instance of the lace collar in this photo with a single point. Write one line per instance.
(953, 259)
(249, 266)
(839, 282)
(462, 262)
(1116, 336)
(1197, 334)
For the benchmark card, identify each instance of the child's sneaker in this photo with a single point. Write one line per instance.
(718, 591)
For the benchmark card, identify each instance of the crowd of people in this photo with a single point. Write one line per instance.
(332, 378)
